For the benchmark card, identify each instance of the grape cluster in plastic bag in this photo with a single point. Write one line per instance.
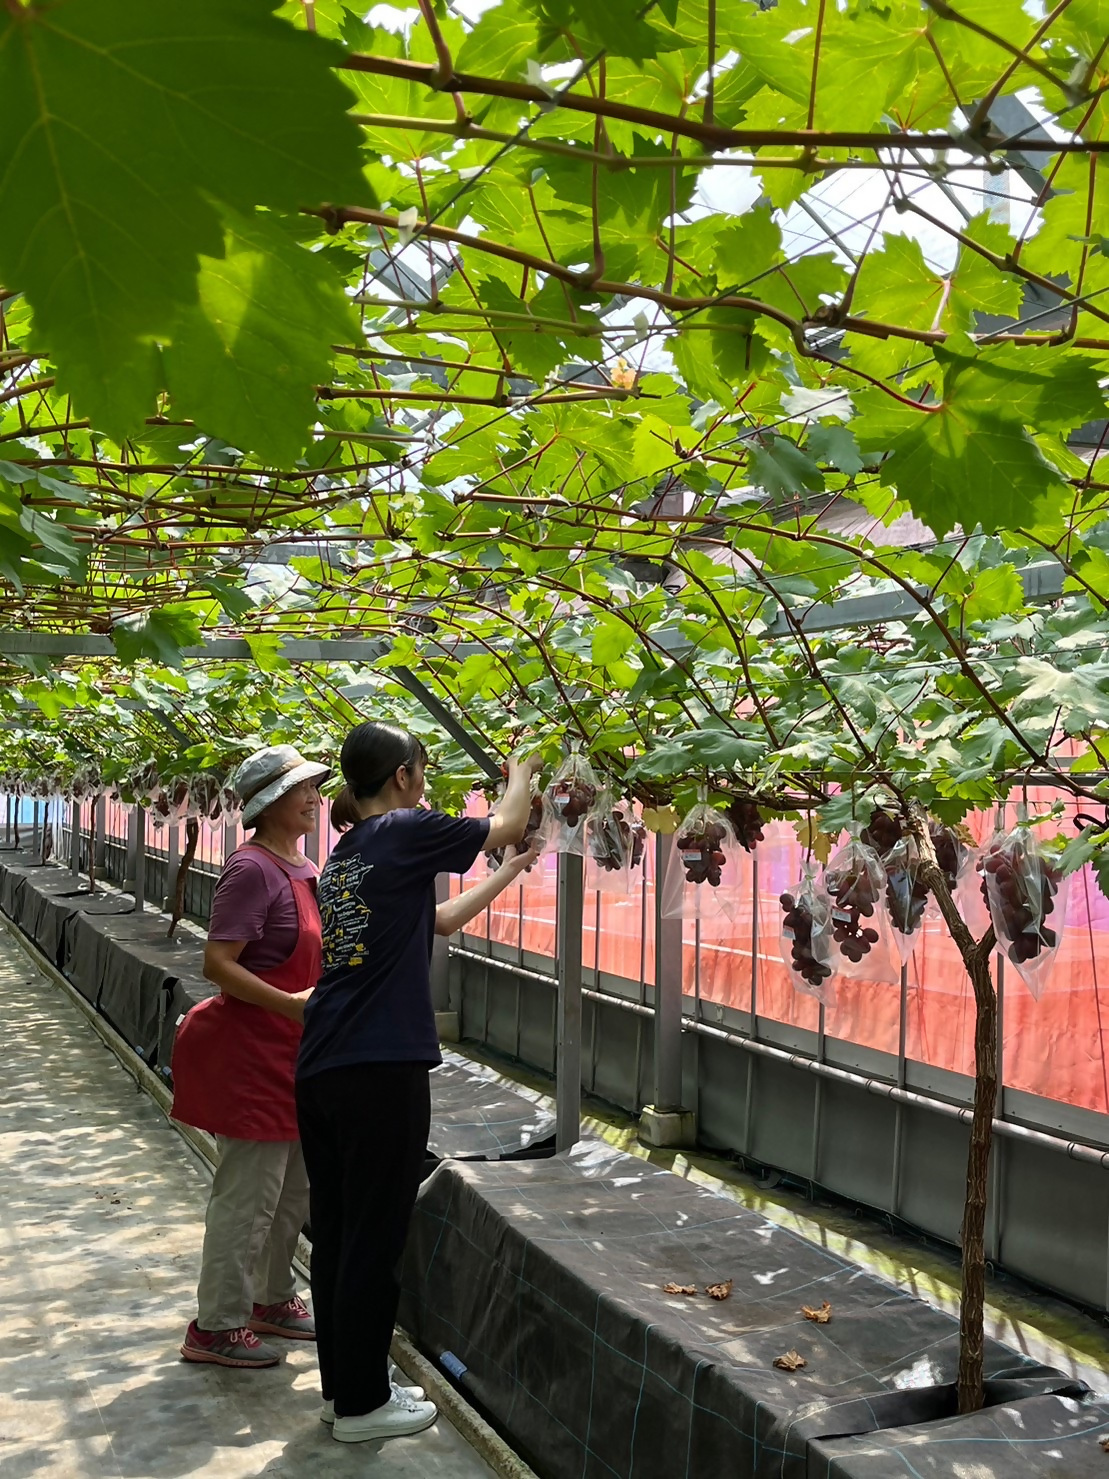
(805, 937)
(612, 838)
(701, 844)
(746, 821)
(854, 880)
(536, 831)
(1024, 888)
(572, 796)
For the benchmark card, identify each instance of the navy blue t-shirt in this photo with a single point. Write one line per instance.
(377, 906)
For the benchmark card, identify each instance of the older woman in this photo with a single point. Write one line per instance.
(233, 1067)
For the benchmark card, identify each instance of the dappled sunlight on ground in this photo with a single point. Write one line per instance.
(101, 1219)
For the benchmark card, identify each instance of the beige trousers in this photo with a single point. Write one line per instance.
(257, 1208)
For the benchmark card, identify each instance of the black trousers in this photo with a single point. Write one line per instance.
(364, 1132)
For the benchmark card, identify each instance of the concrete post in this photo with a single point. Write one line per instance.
(571, 901)
(447, 1023)
(75, 838)
(665, 1122)
(136, 856)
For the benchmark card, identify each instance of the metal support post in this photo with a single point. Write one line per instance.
(902, 1079)
(311, 845)
(447, 1023)
(75, 838)
(571, 904)
(8, 821)
(230, 838)
(749, 1094)
(993, 1205)
(34, 827)
(136, 855)
(173, 862)
(665, 1122)
(668, 991)
(100, 833)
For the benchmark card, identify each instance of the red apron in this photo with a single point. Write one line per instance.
(234, 1063)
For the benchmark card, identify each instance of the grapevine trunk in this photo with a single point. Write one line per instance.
(971, 1333)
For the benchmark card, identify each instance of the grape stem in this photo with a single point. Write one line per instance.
(976, 957)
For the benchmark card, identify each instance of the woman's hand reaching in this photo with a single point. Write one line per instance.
(516, 863)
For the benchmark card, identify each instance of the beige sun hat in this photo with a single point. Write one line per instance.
(267, 774)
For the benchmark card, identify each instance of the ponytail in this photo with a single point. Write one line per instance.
(344, 810)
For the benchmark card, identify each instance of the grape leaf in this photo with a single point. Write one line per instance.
(121, 122)
(782, 469)
(837, 445)
(245, 359)
(159, 634)
(975, 437)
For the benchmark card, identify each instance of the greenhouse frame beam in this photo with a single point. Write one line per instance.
(1042, 582)
(295, 649)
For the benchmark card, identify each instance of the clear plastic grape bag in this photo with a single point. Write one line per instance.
(205, 800)
(906, 896)
(703, 870)
(540, 824)
(572, 795)
(615, 843)
(805, 937)
(855, 882)
(1027, 895)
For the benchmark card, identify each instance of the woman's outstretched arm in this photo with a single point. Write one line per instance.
(455, 914)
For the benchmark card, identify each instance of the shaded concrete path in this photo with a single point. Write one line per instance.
(101, 1218)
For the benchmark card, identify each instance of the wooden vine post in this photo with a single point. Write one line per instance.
(192, 834)
(976, 957)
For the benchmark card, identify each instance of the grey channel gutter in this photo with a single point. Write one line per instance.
(1075, 1150)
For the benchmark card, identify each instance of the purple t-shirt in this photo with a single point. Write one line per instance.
(254, 901)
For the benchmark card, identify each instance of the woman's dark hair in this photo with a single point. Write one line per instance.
(371, 755)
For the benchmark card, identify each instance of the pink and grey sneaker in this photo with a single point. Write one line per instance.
(290, 1318)
(227, 1348)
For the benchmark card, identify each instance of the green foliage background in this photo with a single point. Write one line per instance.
(435, 336)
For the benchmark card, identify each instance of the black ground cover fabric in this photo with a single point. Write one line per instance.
(544, 1281)
(473, 1114)
(539, 1283)
(118, 959)
(1048, 1437)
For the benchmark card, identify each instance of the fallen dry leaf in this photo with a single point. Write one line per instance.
(719, 1291)
(820, 1316)
(679, 1288)
(791, 1361)
(1103, 1444)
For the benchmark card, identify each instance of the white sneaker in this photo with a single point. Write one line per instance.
(327, 1411)
(393, 1419)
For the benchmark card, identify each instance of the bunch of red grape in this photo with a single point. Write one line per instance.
(701, 849)
(906, 896)
(639, 841)
(797, 925)
(746, 822)
(854, 891)
(1025, 883)
(572, 799)
(949, 851)
(883, 834)
(534, 823)
(610, 841)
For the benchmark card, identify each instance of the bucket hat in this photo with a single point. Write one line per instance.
(267, 774)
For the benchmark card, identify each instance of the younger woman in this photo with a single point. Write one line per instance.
(369, 1044)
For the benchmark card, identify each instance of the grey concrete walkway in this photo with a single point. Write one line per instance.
(101, 1217)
